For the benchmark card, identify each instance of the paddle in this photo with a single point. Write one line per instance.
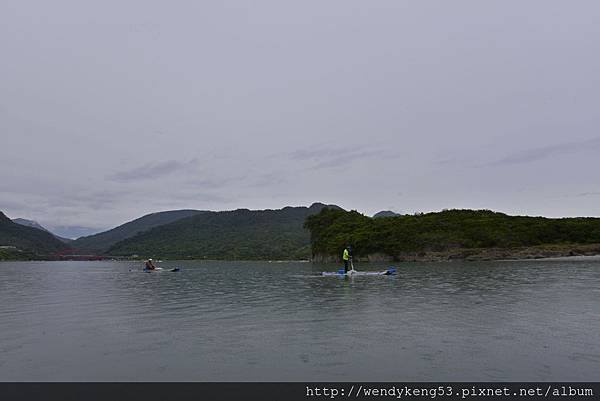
(352, 271)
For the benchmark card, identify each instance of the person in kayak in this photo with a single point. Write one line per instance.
(347, 256)
(150, 265)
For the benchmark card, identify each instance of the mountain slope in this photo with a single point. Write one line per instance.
(102, 241)
(29, 239)
(29, 223)
(35, 224)
(238, 234)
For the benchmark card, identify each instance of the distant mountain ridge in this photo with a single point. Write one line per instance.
(35, 224)
(386, 213)
(33, 240)
(75, 231)
(103, 241)
(240, 234)
(29, 223)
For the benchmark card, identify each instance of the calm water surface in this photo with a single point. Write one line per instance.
(249, 321)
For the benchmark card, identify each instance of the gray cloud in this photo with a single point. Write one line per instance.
(321, 151)
(544, 152)
(323, 156)
(106, 116)
(6, 204)
(215, 183)
(346, 158)
(93, 199)
(268, 180)
(197, 196)
(151, 171)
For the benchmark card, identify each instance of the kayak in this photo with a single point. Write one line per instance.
(341, 273)
(159, 269)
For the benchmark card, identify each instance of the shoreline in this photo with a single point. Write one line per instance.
(477, 254)
(432, 259)
(460, 254)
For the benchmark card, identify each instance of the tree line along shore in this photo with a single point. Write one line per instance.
(450, 235)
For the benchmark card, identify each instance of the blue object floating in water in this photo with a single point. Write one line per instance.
(342, 273)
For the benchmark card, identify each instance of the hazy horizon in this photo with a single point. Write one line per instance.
(110, 111)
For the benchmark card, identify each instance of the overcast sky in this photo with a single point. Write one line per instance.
(113, 109)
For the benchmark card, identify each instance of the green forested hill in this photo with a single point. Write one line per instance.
(29, 239)
(238, 234)
(102, 241)
(331, 230)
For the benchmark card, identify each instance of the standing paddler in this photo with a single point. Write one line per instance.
(347, 256)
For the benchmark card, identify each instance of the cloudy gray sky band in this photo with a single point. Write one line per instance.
(110, 110)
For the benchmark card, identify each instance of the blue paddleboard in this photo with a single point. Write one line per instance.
(341, 273)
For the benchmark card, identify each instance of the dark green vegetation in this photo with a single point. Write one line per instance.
(33, 242)
(103, 241)
(35, 224)
(448, 230)
(238, 234)
(319, 231)
(17, 254)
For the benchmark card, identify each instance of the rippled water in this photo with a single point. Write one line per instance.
(247, 321)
